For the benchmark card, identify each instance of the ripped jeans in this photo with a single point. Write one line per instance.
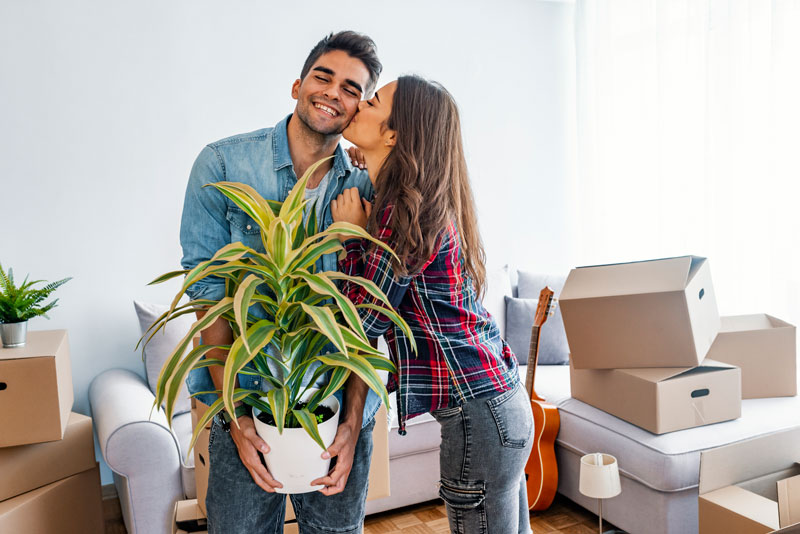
(486, 443)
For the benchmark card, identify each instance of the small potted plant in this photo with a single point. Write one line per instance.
(19, 304)
(299, 312)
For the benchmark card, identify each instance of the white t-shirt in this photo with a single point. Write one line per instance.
(317, 197)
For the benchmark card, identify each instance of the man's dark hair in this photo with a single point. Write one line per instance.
(357, 45)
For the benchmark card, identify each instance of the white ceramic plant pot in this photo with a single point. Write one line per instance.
(294, 457)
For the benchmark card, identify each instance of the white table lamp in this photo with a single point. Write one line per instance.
(599, 479)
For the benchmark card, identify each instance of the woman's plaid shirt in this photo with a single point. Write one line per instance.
(460, 352)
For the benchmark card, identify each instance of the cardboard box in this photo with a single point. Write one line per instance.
(765, 348)
(658, 313)
(193, 520)
(663, 399)
(35, 389)
(70, 506)
(739, 485)
(378, 471)
(26, 467)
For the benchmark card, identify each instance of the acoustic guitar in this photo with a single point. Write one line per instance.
(541, 471)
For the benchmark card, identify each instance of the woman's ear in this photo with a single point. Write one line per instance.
(391, 138)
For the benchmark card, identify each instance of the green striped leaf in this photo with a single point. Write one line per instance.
(168, 276)
(259, 335)
(321, 284)
(355, 342)
(241, 303)
(395, 318)
(362, 368)
(338, 379)
(172, 361)
(326, 324)
(309, 422)
(248, 199)
(231, 252)
(308, 253)
(179, 376)
(353, 230)
(279, 241)
(297, 194)
(279, 402)
(216, 407)
(369, 285)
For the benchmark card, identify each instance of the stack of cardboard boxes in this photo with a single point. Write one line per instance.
(648, 346)
(49, 479)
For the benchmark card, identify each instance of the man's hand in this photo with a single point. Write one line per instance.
(248, 444)
(343, 448)
(350, 207)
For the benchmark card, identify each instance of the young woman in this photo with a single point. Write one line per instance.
(463, 373)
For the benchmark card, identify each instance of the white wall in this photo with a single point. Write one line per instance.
(104, 106)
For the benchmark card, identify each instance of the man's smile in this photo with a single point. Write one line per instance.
(326, 109)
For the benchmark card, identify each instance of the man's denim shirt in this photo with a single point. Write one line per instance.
(210, 220)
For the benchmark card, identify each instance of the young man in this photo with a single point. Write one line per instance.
(341, 69)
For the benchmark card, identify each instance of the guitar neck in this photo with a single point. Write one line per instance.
(533, 359)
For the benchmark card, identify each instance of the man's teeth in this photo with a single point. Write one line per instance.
(326, 109)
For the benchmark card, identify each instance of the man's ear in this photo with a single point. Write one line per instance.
(296, 88)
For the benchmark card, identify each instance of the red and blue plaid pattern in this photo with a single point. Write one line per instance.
(461, 355)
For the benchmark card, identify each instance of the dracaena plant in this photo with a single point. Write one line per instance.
(18, 304)
(301, 311)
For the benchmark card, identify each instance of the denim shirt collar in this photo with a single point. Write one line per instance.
(282, 158)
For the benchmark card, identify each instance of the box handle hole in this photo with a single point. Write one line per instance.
(700, 393)
(702, 294)
(3, 386)
(202, 460)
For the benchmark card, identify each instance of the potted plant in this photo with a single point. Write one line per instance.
(19, 304)
(299, 312)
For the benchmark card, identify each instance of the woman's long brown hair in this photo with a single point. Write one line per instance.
(425, 179)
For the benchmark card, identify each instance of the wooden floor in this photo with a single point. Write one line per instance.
(563, 517)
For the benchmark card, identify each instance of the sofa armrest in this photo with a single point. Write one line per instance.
(140, 448)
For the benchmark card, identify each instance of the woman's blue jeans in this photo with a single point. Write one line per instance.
(486, 443)
(236, 505)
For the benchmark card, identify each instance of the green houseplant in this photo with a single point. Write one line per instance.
(301, 312)
(19, 304)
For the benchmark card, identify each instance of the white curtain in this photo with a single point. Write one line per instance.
(688, 121)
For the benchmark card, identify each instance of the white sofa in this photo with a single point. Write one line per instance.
(659, 474)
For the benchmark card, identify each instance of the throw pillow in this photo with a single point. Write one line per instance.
(162, 345)
(553, 348)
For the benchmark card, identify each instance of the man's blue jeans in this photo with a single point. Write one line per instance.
(236, 505)
(486, 443)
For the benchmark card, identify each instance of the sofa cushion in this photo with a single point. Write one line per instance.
(667, 462)
(553, 348)
(162, 344)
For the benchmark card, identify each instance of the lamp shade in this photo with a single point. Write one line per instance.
(599, 476)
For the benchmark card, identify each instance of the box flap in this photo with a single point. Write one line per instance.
(745, 503)
(652, 276)
(694, 267)
(658, 374)
(789, 501)
(39, 343)
(745, 460)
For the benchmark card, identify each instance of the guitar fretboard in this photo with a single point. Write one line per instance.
(533, 359)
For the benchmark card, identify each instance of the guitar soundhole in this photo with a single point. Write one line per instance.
(3, 386)
(700, 393)
(702, 294)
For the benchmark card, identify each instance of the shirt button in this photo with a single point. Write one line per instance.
(248, 227)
